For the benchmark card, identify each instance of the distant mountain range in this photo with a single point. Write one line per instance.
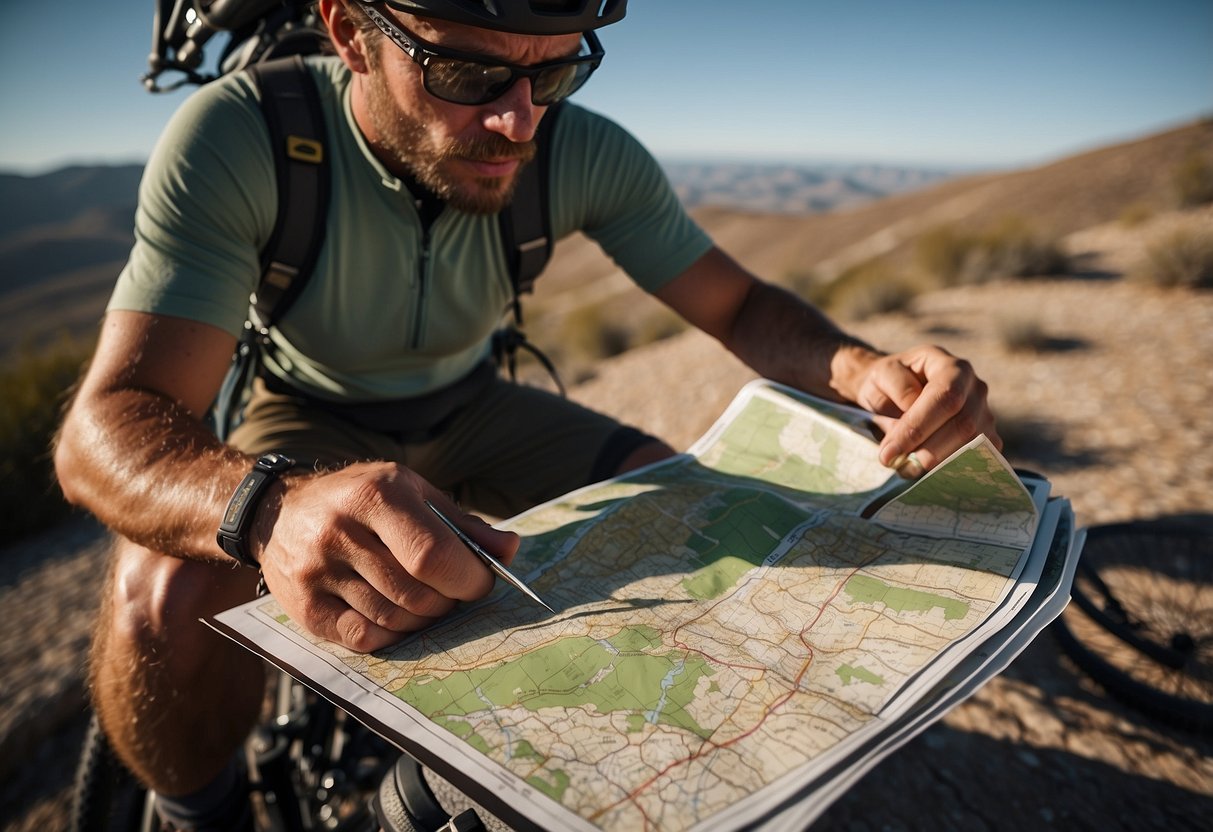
(65, 235)
(792, 189)
(63, 239)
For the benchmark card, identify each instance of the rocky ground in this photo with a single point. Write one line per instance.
(1115, 407)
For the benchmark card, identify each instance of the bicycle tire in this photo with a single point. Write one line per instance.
(1141, 624)
(106, 796)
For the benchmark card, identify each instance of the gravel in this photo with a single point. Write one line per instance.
(1115, 407)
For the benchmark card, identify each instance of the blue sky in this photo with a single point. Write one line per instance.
(970, 83)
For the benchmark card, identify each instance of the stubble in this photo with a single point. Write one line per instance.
(409, 144)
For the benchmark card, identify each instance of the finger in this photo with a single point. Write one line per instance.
(940, 402)
(908, 467)
(421, 545)
(890, 389)
(330, 617)
(502, 545)
(353, 555)
(972, 419)
(399, 596)
(389, 613)
(432, 555)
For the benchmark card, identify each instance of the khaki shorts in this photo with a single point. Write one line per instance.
(511, 448)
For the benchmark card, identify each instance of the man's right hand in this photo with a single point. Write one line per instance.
(354, 556)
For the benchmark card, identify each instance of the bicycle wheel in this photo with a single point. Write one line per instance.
(1141, 624)
(106, 797)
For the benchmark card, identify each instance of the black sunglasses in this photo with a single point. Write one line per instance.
(467, 78)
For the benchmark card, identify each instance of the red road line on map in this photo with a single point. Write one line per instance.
(633, 795)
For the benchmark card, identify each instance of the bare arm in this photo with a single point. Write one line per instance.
(352, 554)
(927, 401)
(134, 449)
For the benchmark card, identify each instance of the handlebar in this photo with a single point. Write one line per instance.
(182, 28)
(226, 15)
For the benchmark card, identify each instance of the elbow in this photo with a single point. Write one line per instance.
(67, 461)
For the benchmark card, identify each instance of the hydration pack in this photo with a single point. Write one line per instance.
(269, 39)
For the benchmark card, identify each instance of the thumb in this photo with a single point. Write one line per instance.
(502, 545)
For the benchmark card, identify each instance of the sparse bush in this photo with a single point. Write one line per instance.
(1135, 214)
(658, 327)
(1014, 249)
(32, 392)
(1010, 249)
(1193, 180)
(1022, 333)
(942, 252)
(1182, 258)
(589, 332)
(804, 283)
(871, 288)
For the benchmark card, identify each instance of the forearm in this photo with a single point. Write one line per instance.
(150, 470)
(786, 339)
(924, 399)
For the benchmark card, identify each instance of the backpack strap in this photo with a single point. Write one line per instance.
(526, 234)
(293, 114)
(526, 223)
(295, 118)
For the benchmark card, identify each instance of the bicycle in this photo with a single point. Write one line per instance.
(1141, 624)
(311, 767)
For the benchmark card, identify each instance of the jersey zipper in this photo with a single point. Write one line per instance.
(423, 275)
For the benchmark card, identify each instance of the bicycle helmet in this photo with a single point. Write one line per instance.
(523, 17)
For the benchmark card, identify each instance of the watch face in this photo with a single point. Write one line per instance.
(275, 461)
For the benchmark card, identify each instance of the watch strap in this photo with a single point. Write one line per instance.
(241, 510)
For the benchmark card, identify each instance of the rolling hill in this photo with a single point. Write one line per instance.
(63, 239)
(64, 236)
(584, 289)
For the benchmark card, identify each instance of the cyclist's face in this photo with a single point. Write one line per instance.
(469, 154)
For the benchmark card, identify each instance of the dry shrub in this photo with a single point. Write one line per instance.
(1022, 333)
(1184, 257)
(803, 282)
(1193, 180)
(1012, 248)
(33, 389)
(1135, 214)
(590, 333)
(871, 288)
(659, 326)
(942, 252)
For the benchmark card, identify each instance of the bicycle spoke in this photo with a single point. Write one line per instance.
(1142, 621)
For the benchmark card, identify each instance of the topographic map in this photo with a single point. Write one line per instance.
(728, 624)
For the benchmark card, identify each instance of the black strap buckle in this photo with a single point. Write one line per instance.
(506, 343)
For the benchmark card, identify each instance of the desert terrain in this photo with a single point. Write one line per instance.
(1112, 403)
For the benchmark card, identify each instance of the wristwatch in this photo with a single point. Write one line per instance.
(242, 508)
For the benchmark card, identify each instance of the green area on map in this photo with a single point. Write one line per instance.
(972, 482)
(614, 675)
(736, 535)
(848, 674)
(868, 590)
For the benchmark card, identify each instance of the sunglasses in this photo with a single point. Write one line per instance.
(467, 78)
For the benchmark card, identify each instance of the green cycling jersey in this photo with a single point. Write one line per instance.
(391, 310)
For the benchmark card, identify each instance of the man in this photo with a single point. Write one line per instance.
(431, 110)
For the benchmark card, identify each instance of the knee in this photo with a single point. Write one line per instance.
(157, 599)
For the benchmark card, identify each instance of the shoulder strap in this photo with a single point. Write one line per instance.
(526, 223)
(291, 105)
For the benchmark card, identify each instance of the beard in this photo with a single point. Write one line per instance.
(410, 147)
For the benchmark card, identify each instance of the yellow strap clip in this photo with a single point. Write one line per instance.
(304, 150)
